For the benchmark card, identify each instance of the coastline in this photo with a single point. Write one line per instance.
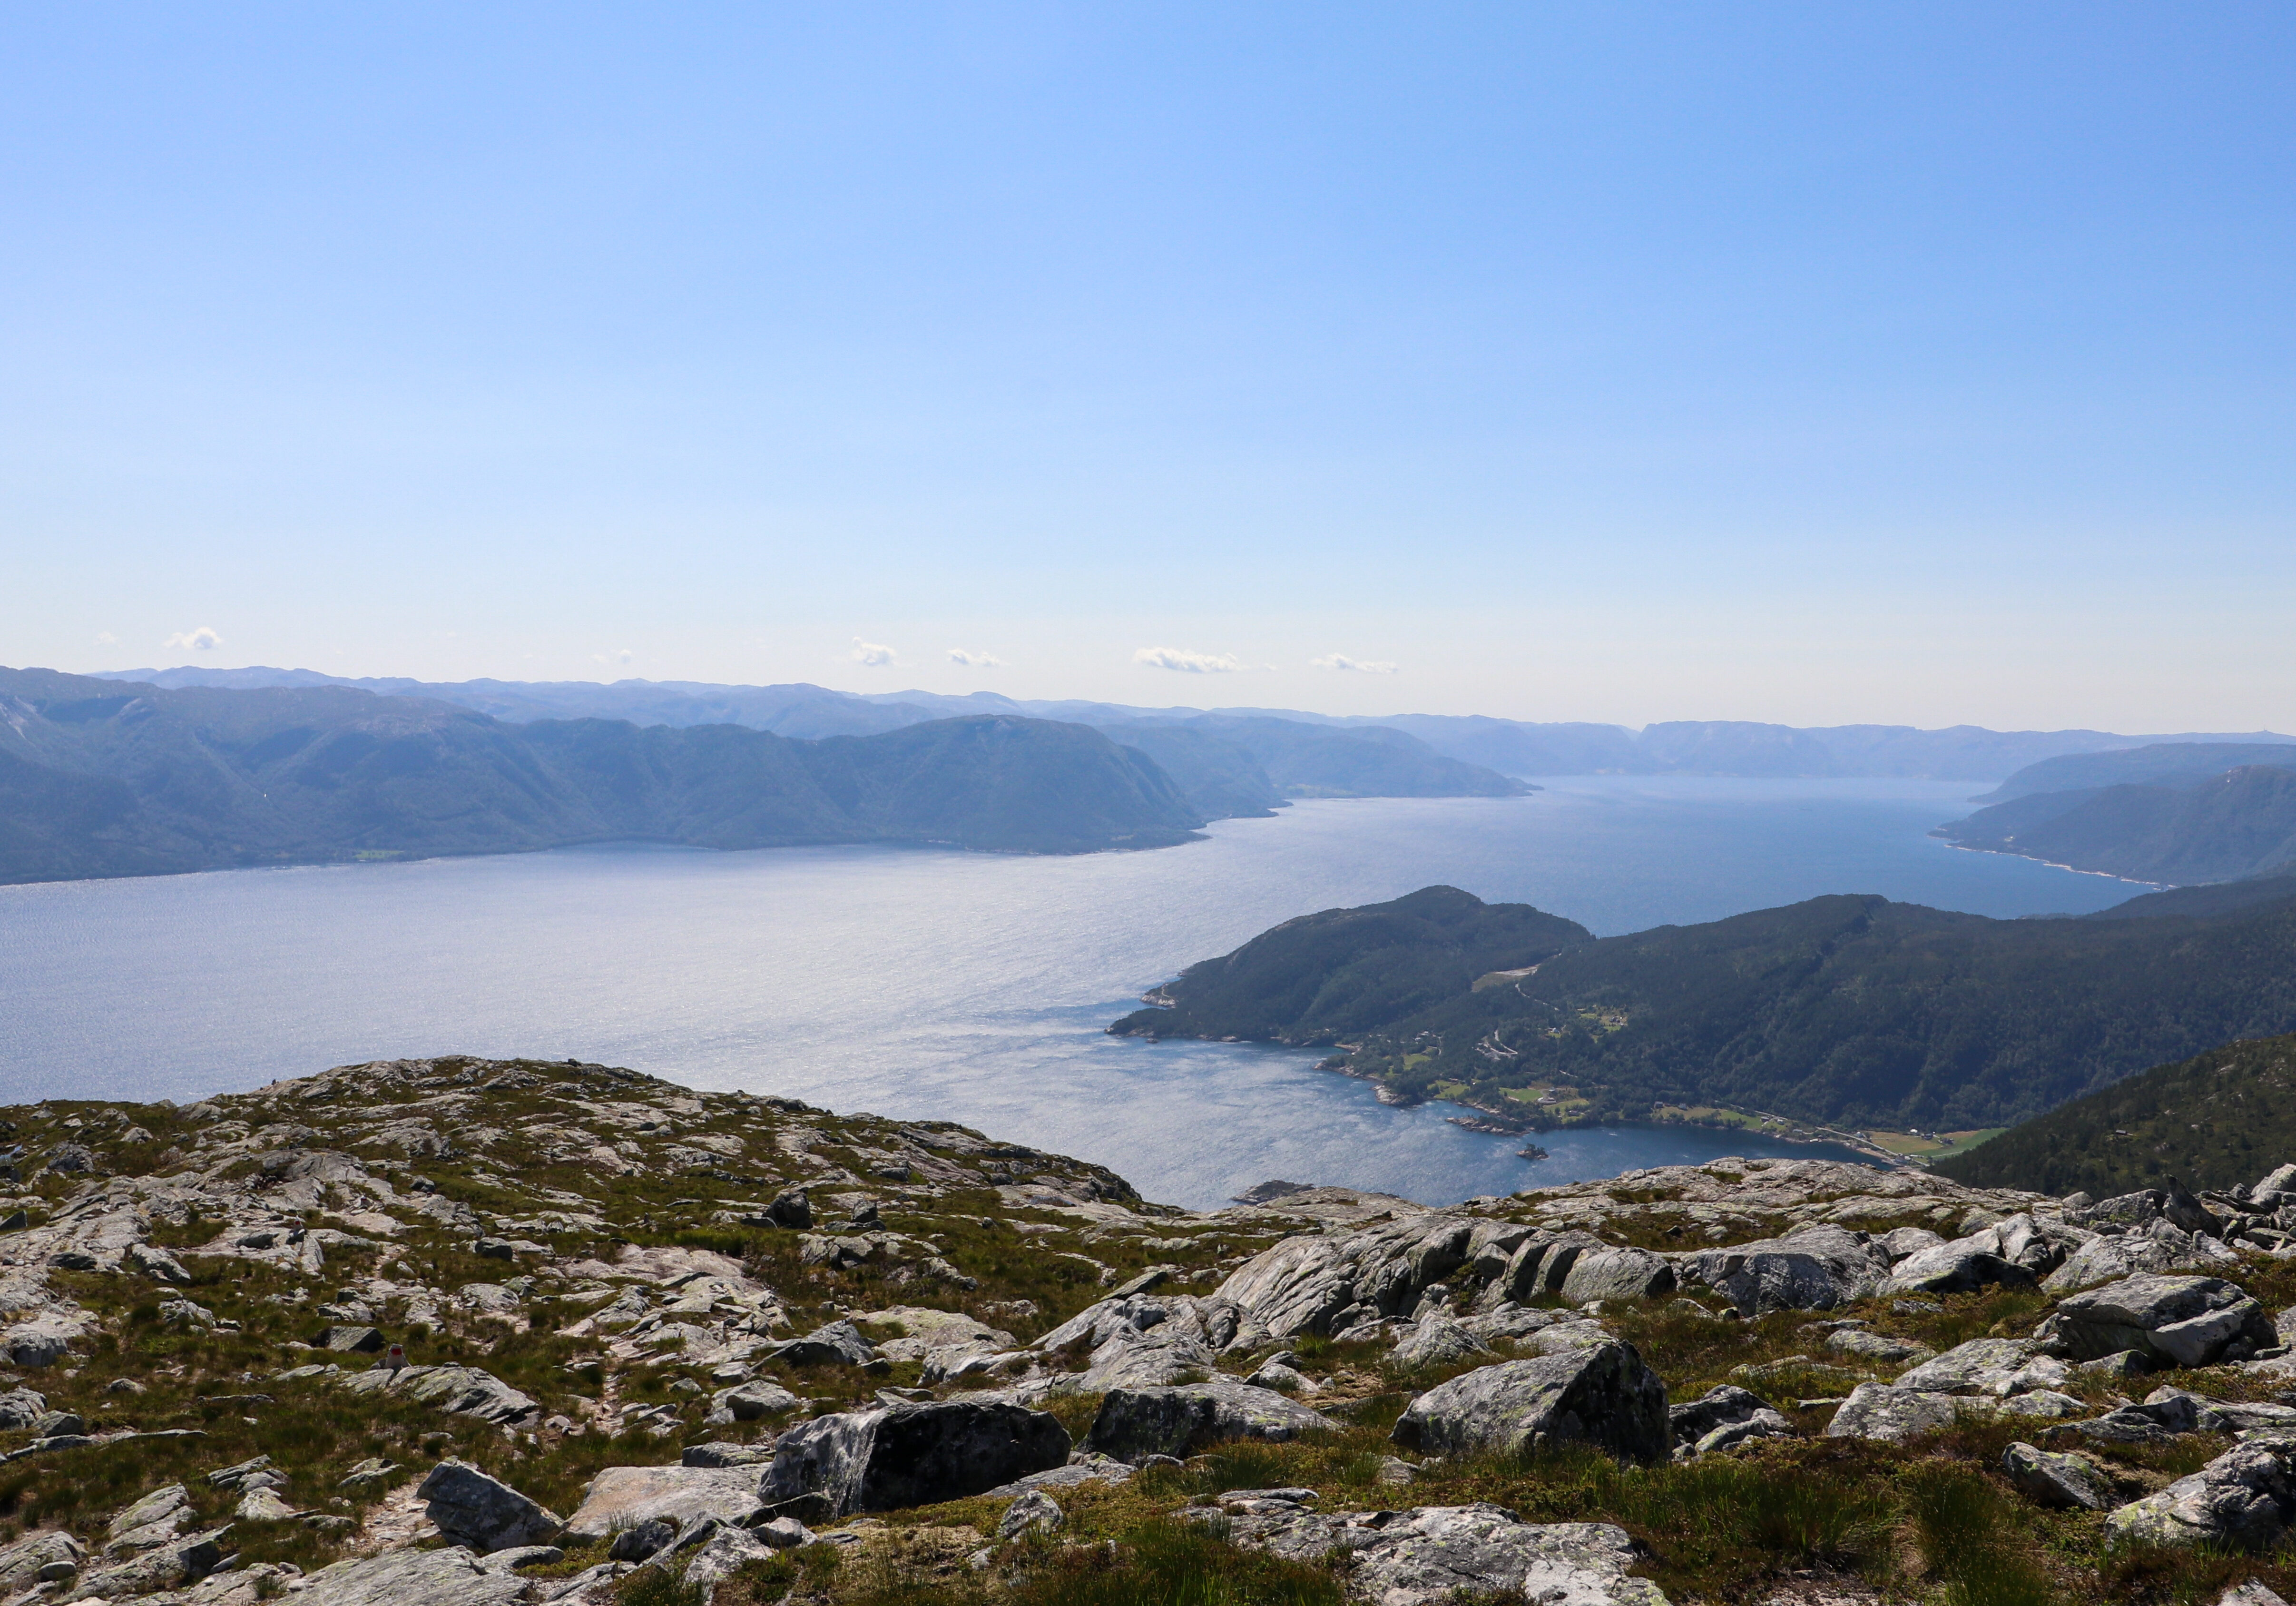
(1502, 1123)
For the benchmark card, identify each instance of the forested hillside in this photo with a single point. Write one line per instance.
(1851, 1011)
(2239, 822)
(1346, 970)
(2216, 1120)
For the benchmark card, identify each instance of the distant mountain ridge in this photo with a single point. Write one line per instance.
(1230, 765)
(1516, 748)
(2178, 814)
(101, 778)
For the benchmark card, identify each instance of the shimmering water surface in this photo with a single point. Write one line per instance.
(917, 983)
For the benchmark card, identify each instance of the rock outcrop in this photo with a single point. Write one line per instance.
(1601, 1396)
(1431, 1555)
(2245, 1499)
(2170, 1321)
(1136, 1423)
(907, 1456)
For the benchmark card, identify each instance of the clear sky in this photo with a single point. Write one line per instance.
(1919, 363)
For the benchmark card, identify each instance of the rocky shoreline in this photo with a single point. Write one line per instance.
(454, 1330)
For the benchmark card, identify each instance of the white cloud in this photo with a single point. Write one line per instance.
(957, 655)
(1361, 666)
(106, 638)
(201, 640)
(619, 656)
(876, 655)
(1187, 663)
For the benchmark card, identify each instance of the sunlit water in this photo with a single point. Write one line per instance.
(918, 982)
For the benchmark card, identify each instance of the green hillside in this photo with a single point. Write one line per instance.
(1848, 1010)
(2239, 822)
(2220, 1118)
(1325, 976)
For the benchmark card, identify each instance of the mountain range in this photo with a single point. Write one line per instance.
(100, 777)
(2179, 812)
(1517, 747)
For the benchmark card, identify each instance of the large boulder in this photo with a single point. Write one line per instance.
(2000, 1367)
(2245, 1499)
(2155, 1247)
(2064, 1481)
(411, 1577)
(1956, 1268)
(475, 1509)
(182, 1560)
(42, 1558)
(1876, 1410)
(1816, 1268)
(839, 1344)
(1723, 1418)
(151, 1521)
(754, 1401)
(1435, 1341)
(1324, 1283)
(2170, 1321)
(622, 1497)
(1159, 1357)
(1609, 1274)
(1432, 1555)
(1136, 1423)
(1601, 1396)
(899, 1456)
(20, 1408)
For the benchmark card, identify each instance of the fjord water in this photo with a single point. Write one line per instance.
(941, 984)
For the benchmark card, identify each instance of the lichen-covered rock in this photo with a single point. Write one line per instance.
(1435, 1341)
(2245, 1499)
(1880, 1347)
(1995, 1366)
(839, 1344)
(458, 1390)
(757, 1400)
(2064, 1481)
(20, 1408)
(163, 1566)
(42, 1558)
(1892, 1415)
(899, 1456)
(475, 1509)
(621, 1498)
(1322, 1284)
(2159, 1246)
(411, 1577)
(1134, 1424)
(1722, 1419)
(151, 1521)
(1034, 1513)
(1818, 1268)
(1614, 1273)
(1432, 1555)
(2172, 1321)
(1956, 1268)
(1601, 1396)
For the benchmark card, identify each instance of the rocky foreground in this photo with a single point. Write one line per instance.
(484, 1331)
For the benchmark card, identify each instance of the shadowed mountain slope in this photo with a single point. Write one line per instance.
(101, 778)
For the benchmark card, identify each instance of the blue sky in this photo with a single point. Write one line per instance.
(1809, 363)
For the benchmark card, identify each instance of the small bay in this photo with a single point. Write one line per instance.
(940, 985)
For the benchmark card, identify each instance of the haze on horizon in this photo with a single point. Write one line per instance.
(1901, 365)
